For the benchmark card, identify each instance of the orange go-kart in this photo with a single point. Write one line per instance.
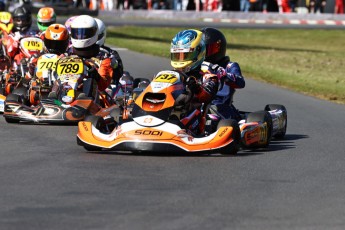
(154, 123)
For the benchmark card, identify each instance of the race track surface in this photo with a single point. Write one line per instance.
(49, 182)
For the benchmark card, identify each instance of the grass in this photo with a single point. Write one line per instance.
(307, 61)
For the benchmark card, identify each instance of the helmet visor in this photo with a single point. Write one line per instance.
(183, 56)
(83, 33)
(20, 19)
(56, 45)
(45, 24)
(212, 48)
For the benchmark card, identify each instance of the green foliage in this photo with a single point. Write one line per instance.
(307, 61)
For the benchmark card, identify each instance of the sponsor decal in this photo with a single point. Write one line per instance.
(148, 132)
(222, 133)
(148, 120)
(84, 126)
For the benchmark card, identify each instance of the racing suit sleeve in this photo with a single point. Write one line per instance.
(117, 66)
(104, 74)
(116, 63)
(234, 76)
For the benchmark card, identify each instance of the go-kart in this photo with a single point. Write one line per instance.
(152, 123)
(5, 64)
(156, 123)
(76, 96)
(12, 76)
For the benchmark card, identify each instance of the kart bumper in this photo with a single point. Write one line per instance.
(153, 139)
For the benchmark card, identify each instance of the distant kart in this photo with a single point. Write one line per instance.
(67, 105)
(5, 64)
(14, 80)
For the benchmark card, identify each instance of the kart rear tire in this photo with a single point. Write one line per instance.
(234, 146)
(262, 116)
(12, 98)
(23, 93)
(281, 134)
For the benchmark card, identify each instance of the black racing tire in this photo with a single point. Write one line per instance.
(262, 116)
(12, 98)
(91, 148)
(233, 147)
(23, 93)
(269, 107)
(88, 147)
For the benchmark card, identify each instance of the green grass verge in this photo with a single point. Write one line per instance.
(307, 61)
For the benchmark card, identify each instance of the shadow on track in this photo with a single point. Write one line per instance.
(276, 145)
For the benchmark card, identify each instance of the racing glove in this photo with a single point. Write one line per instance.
(207, 67)
(211, 86)
(192, 84)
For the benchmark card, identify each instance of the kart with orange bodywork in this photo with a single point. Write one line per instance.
(13, 74)
(75, 96)
(154, 122)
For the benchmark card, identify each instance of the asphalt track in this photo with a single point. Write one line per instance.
(49, 182)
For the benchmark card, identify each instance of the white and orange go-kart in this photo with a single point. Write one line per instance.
(153, 123)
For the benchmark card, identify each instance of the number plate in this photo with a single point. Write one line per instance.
(45, 63)
(167, 77)
(70, 65)
(32, 44)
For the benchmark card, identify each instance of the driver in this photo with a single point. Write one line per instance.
(215, 54)
(187, 55)
(84, 37)
(45, 17)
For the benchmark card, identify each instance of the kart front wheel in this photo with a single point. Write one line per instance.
(234, 146)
